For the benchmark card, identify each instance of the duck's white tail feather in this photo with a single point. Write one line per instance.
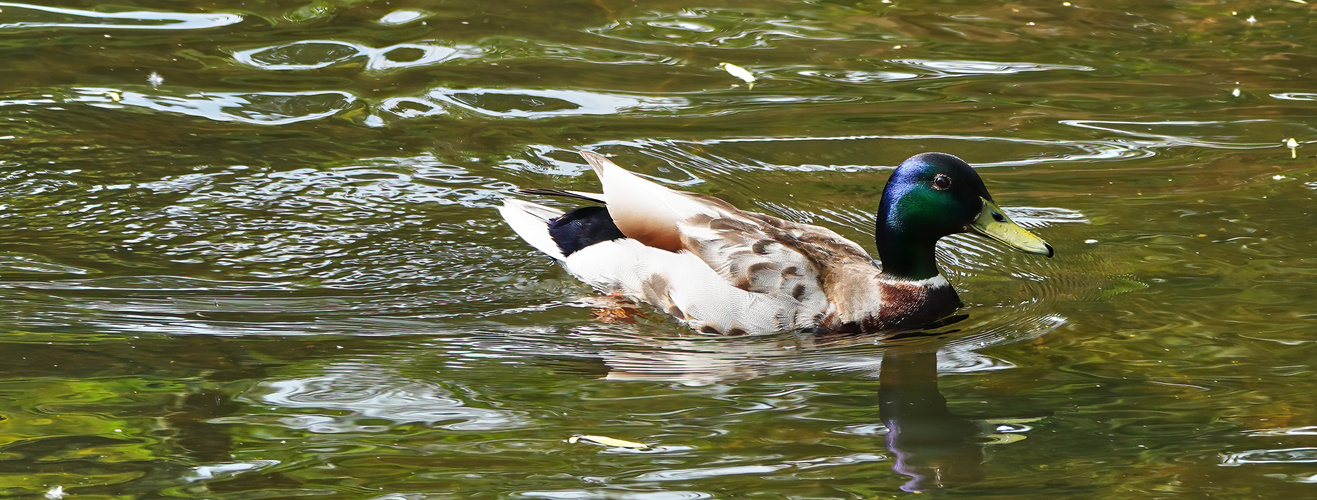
(531, 222)
(642, 209)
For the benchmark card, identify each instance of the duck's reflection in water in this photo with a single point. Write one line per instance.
(933, 446)
(936, 448)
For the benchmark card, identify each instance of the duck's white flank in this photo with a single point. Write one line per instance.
(684, 286)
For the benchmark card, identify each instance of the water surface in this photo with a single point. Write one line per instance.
(249, 250)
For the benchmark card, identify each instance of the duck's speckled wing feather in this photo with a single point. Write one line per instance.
(826, 273)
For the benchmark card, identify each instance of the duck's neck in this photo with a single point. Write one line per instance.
(905, 256)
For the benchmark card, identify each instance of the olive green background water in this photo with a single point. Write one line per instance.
(249, 249)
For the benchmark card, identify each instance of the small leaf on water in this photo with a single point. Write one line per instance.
(739, 72)
(1294, 146)
(607, 441)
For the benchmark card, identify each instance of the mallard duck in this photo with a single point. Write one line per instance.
(724, 270)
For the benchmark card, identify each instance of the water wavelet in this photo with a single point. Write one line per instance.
(1295, 96)
(256, 108)
(858, 76)
(404, 16)
(859, 152)
(263, 250)
(315, 54)
(1305, 455)
(700, 361)
(1233, 134)
(348, 397)
(19, 265)
(537, 103)
(19, 16)
(717, 27)
(699, 165)
(948, 68)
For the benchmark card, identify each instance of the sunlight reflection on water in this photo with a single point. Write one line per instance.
(315, 54)
(26, 16)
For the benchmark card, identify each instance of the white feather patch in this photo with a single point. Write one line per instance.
(935, 282)
(531, 223)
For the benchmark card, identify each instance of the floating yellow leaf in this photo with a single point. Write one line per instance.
(739, 72)
(607, 441)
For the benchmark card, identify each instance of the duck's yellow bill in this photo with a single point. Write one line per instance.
(993, 223)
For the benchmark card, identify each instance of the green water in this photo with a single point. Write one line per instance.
(249, 250)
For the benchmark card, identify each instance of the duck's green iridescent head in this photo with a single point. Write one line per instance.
(932, 195)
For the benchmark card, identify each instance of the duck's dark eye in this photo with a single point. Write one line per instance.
(941, 182)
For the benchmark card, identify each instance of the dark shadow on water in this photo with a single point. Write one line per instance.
(936, 448)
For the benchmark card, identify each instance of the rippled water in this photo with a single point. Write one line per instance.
(249, 249)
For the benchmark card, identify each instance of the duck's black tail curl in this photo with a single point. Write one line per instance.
(583, 227)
